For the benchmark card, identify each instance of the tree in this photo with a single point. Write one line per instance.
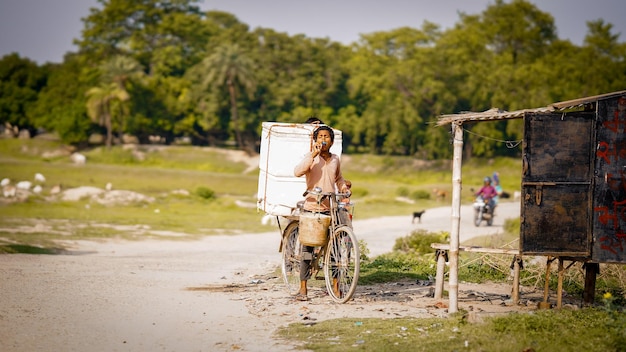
(21, 80)
(298, 74)
(102, 103)
(61, 105)
(121, 71)
(602, 59)
(164, 36)
(229, 66)
(518, 29)
(394, 75)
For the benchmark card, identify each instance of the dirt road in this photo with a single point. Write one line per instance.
(217, 294)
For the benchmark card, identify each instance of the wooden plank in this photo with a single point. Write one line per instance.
(476, 249)
(555, 220)
(609, 194)
(441, 267)
(563, 254)
(556, 184)
(441, 254)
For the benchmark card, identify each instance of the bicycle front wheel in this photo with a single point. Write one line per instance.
(342, 260)
(291, 250)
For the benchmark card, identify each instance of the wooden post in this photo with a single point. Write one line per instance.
(453, 285)
(559, 287)
(591, 270)
(516, 269)
(441, 267)
(546, 288)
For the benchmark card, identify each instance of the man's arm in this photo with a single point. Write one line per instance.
(342, 184)
(303, 166)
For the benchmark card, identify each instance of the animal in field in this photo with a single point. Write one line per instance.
(418, 215)
(440, 194)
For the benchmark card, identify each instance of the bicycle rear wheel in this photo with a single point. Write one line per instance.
(291, 250)
(341, 264)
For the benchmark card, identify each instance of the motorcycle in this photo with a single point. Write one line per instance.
(483, 210)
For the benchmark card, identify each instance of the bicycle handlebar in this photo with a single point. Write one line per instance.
(318, 192)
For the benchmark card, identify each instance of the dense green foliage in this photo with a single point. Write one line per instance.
(165, 71)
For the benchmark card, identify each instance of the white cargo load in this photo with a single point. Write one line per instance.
(283, 145)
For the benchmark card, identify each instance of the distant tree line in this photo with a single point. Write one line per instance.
(162, 70)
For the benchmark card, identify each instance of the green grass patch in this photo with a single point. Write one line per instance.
(27, 249)
(221, 190)
(564, 330)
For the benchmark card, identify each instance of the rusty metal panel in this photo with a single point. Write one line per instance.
(557, 149)
(556, 184)
(555, 219)
(609, 203)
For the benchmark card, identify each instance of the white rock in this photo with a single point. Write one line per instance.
(40, 178)
(37, 189)
(5, 182)
(25, 185)
(120, 197)
(56, 189)
(9, 191)
(80, 192)
(78, 158)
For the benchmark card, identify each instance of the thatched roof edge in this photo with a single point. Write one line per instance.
(497, 114)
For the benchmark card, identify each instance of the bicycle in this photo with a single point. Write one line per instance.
(339, 257)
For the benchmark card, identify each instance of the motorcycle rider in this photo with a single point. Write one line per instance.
(488, 192)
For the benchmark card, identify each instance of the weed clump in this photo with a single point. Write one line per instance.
(419, 241)
(205, 193)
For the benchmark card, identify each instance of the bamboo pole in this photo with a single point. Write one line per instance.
(453, 285)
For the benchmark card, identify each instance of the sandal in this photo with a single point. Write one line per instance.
(301, 297)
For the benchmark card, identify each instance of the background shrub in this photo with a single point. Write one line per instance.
(205, 193)
(419, 241)
(420, 194)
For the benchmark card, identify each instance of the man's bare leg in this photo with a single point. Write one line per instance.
(336, 287)
(302, 293)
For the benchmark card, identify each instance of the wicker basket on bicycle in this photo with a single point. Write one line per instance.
(313, 229)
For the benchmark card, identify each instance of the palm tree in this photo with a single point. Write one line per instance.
(120, 70)
(100, 103)
(230, 66)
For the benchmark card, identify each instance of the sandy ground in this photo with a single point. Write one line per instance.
(221, 293)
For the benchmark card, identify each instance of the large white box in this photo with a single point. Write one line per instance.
(283, 145)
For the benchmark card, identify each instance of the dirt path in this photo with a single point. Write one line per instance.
(218, 294)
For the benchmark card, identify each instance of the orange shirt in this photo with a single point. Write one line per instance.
(323, 174)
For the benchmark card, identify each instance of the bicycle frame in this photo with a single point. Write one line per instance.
(335, 222)
(335, 206)
(339, 257)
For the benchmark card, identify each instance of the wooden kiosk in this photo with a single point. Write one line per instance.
(573, 203)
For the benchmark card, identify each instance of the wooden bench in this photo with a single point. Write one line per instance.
(442, 253)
